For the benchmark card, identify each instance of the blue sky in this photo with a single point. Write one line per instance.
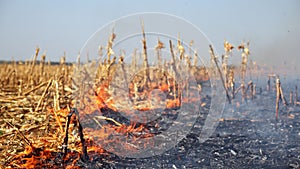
(272, 26)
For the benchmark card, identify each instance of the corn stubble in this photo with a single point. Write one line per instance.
(36, 96)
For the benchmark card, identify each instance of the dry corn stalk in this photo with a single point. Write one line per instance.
(34, 59)
(174, 69)
(180, 48)
(213, 56)
(231, 82)
(227, 48)
(121, 62)
(147, 80)
(279, 95)
(291, 98)
(109, 50)
(158, 48)
(245, 54)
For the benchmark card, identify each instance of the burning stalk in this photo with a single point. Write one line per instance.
(220, 73)
(84, 156)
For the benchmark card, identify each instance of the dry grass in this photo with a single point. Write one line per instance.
(33, 104)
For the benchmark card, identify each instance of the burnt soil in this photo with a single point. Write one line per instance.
(248, 136)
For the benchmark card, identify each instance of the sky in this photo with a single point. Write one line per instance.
(271, 26)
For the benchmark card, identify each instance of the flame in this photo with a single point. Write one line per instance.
(33, 157)
(107, 133)
(164, 87)
(102, 98)
(173, 103)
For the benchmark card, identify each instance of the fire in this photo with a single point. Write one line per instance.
(33, 157)
(132, 129)
(173, 103)
(128, 135)
(103, 98)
